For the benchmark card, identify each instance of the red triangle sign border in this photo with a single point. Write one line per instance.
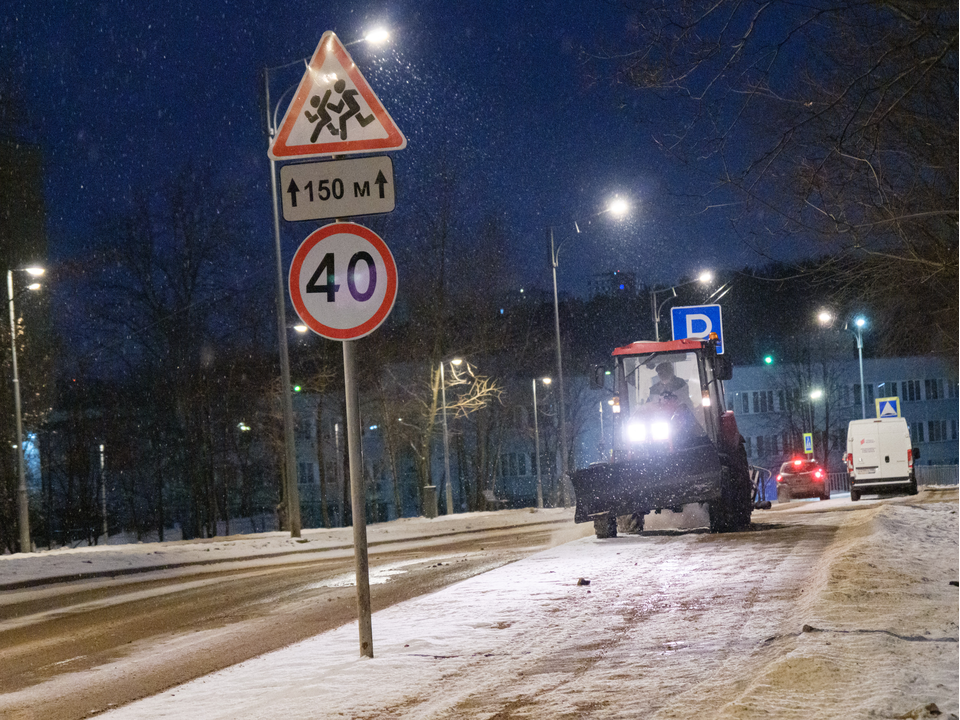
(331, 45)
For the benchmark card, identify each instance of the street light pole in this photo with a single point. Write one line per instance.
(291, 488)
(447, 486)
(655, 309)
(536, 441)
(859, 323)
(618, 207)
(704, 277)
(554, 259)
(23, 497)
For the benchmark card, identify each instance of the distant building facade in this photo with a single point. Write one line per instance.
(774, 407)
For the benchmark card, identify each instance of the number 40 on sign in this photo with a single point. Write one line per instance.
(343, 281)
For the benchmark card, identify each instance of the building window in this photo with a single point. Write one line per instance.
(916, 429)
(934, 389)
(886, 389)
(760, 448)
(911, 390)
(953, 429)
(748, 446)
(938, 430)
(763, 401)
(746, 402)
(521, 463)
(303, 428)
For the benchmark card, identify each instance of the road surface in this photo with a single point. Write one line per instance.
(72, 649)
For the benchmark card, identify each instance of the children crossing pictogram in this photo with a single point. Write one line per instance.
(334, 110)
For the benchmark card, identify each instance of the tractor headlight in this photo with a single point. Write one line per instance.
(660, 431)
(637, 432)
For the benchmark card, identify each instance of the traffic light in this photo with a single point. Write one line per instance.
(768, 359)
(597, 377)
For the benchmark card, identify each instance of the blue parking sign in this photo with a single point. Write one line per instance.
(697, 321)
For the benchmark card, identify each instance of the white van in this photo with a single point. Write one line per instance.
(880, 457)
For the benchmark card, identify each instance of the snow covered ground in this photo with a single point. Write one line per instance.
(826, 610)
(113, 559)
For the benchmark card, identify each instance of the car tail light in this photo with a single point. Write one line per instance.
(910, 458)
(779, 478)
(797, 463)
(850, 460)
(818, 474)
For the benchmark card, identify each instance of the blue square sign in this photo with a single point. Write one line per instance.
(697, 321)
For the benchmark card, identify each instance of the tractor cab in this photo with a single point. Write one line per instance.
(675, 442)
(668, 393)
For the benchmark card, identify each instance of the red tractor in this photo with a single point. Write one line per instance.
(675, 441)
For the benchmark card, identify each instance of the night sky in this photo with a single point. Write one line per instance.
(121, 95)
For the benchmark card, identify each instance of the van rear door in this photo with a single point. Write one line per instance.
(863, 443)
(894, 442)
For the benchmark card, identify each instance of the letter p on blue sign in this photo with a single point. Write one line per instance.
(697, 321)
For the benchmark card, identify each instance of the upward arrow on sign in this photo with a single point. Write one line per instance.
(335, 111)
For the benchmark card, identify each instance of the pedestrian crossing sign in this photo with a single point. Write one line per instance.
(334, 111)
(888, 407)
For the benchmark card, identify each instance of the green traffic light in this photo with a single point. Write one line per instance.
(768, 360)
(296, 388)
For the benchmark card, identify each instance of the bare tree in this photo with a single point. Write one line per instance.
(832, 126)
(165, 293)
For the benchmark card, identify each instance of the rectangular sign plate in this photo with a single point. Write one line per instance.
(337, 188)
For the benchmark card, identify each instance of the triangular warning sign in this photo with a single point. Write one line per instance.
(334, 112)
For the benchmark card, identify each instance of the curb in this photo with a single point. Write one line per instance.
(93, 574)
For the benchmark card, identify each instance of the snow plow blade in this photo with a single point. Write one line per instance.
(646, 484)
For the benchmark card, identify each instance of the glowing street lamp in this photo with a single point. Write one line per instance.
(447, 486)
(618, 207)
(858, 323)
(23, 498)
(377, 36)
(825, 317)
(536, 437)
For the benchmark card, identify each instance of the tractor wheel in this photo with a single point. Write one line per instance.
(631, 524)
(605, 526)
(744, 501)
(731, 511)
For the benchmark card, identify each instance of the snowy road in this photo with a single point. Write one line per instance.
(822, 610)
(69, 649)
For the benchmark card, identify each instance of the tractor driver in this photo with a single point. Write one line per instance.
(669, 383)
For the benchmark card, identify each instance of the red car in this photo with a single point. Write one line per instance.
(802, 478)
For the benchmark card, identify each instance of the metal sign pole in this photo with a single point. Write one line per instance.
(357, 500)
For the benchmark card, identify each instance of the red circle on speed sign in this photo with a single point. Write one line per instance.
(343, 281)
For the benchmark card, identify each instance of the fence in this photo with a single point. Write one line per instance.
(936, 474)
(926, 475)
(839, 482)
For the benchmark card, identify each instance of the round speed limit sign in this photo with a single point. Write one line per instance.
(343, 281)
